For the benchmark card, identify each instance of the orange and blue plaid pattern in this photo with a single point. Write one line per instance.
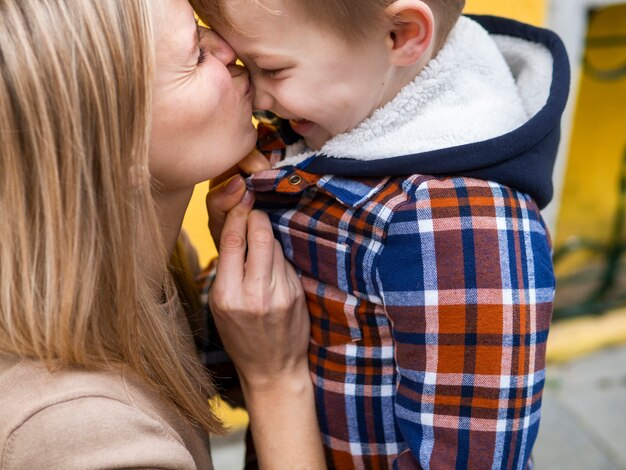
(430, 302)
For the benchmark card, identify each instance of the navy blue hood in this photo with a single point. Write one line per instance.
(522, 159)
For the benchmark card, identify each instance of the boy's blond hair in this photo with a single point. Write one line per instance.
(349, 18)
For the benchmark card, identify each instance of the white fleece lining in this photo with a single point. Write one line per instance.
(477, 88)
(531, 65)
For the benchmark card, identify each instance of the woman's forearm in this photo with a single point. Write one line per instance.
(259, 308)
(284, 424)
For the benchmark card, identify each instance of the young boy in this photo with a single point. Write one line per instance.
(417, 147)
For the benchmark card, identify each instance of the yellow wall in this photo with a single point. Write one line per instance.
(531, 11)
(598, 142)
(196, 225)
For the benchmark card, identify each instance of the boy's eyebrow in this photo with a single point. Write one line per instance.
(256, 55)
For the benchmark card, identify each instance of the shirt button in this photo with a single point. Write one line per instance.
(295, 180)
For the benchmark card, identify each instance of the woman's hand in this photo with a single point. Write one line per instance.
(227, 189)
(257, 301)
(259, 308)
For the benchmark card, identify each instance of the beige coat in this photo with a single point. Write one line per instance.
(78, 419)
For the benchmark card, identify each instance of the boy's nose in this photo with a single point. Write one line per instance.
(219, 48)
(263, 101)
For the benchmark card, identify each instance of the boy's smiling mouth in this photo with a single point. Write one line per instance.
(301, 126)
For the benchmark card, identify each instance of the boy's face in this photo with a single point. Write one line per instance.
(305, 73)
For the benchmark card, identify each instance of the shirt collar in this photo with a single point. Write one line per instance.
(294, 180)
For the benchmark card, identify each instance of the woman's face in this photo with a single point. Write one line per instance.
(202, 102)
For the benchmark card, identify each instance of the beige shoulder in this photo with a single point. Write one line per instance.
(93, 432)
(89, 419)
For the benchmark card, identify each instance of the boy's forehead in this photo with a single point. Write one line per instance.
(238, 11)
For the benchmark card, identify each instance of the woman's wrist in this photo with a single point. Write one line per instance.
(283, 421)
(293, 380)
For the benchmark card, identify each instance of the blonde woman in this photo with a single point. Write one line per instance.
(110, 113)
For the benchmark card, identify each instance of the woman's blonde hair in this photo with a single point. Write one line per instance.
(79, 238)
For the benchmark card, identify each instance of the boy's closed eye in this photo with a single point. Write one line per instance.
(270, 73)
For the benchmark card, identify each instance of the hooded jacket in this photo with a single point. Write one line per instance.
(425, 261)
(522, 158)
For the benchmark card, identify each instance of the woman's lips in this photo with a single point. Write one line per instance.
(250, 89)
(239, 73)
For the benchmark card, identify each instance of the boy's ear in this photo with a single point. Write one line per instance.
(411, 31)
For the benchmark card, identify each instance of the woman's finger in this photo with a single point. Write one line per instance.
(222, 199)
(227, 189)
(292, 277)
(254, 162)
(219, 179)
(259, 263)
(231, 262)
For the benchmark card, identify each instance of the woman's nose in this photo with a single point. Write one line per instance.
(219, 48)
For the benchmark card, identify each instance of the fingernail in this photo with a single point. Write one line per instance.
(247, 198)
(234, 185)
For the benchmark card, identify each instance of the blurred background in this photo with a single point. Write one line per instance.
(584, 414)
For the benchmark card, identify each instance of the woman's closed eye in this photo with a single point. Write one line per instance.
(203, 50)
(202, 53)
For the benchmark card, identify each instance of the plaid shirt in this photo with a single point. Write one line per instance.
(430, 302)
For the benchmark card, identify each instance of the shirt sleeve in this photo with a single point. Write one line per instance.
(94, 433)
(467, 283)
